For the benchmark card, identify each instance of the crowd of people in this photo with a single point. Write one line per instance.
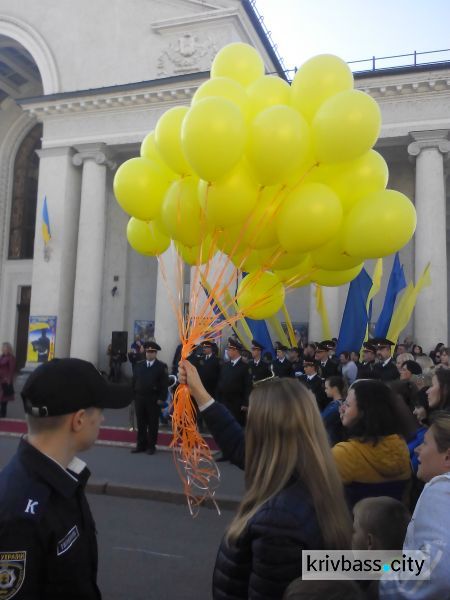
(338, 453)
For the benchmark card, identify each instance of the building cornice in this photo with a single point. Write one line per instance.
(405, 85)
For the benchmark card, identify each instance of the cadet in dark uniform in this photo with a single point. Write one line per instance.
(366, 369)
(258, 368)
(208, 367)
(150, 385)
(328, 367)
(281, 366)
(296, 361)
(313, 382)
(48, 546)
(386, 369)
(235, 384)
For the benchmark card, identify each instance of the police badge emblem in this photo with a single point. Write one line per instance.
(12, 573)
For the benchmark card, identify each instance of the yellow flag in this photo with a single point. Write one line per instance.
(322, 310)
(278, 329)
(404, 310)
(376, 284)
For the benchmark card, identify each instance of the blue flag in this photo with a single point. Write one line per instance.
(355, 318)
(261, 334)
(396, 283)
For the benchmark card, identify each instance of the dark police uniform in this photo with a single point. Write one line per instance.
(234, 387)
(387, 371)
(48, 546)
(259, 370)
(282, 368)
(315, 384)
(366, 370)
(328, 369)
(208, 368)
(150, 384)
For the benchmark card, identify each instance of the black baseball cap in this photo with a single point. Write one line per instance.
(66, 385)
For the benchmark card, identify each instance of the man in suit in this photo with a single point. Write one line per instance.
(235, 384)
(366, 369)
(313, 382)
(386, 369)
(150, 385)
(281, 366)
(257, 367)
(328, 367)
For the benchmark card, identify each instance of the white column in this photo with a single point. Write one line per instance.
(331, 300)
(169, 293)
(54, 274)
(90, 252)
(430, 314)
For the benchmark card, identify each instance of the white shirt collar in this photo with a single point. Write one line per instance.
(150, 363)
(233, 362)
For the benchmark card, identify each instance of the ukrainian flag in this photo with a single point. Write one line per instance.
(45, 223)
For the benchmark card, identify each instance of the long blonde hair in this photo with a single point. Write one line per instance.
(285, 437)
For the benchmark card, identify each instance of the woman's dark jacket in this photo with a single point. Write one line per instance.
(268, 554)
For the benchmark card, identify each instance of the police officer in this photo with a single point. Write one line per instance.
(328, 367)
(386, 368)
(235, 384)
(150, 384)
(296, 361)
(48, 546)
(208, 367)
(257, 367)
(281, 366)
(313, 381)
(366, 369)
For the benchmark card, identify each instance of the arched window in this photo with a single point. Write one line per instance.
(24, 197)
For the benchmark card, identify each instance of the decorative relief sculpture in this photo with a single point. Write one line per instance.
(185, 55)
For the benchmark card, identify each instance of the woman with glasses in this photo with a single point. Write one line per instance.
(294, 498)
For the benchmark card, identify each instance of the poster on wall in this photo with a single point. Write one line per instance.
(300, 332)
(41, 339)
(144, 330)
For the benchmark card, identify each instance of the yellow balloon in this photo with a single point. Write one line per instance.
(213, 137)
(181, 212)
(260, 295)
(309, 217)
(197, 255)
(299, 275)
(139, 188)
(168, 139)
(335, 278)
(318, 79)
(260, 231)
(230, 200)
(238, 61)
(345, 126)
(267, 91)
(379, 225)
(223, 87)
(145, 238)
(276, 258)
(150, 151)
(360, 177)
(332, 257)
(279, 144)
(246, 261)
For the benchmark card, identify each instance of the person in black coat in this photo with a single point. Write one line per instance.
(313, 382)
(301, 506)
(208, 366)
(235, 384)
(281, 366)
(386, 369)
(328, 367)
(366, 369)
(150, 385)
(258, 368)
(296, 361)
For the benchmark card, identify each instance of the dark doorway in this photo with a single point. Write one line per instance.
(23, 318)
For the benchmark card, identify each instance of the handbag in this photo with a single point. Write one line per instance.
(8, 389)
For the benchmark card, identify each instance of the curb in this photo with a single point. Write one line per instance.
(120, 490)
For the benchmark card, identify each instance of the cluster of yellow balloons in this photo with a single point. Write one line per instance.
(281, 177)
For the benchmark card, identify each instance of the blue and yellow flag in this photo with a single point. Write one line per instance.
(45, 223)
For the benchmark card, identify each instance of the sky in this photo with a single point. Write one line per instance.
(357, 29)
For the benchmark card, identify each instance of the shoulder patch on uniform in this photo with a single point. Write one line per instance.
(67, 541)
(12, 573)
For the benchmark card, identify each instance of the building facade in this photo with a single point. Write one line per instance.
(76, 102)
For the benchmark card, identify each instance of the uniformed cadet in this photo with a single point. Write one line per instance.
(386, 369)
(328, 367)
(296, 361)
(150, 385)
(48, 546)
(313, 381)
(235, 384)
(208, 367)
(281, 366)
(258, 368)
(366, 369)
